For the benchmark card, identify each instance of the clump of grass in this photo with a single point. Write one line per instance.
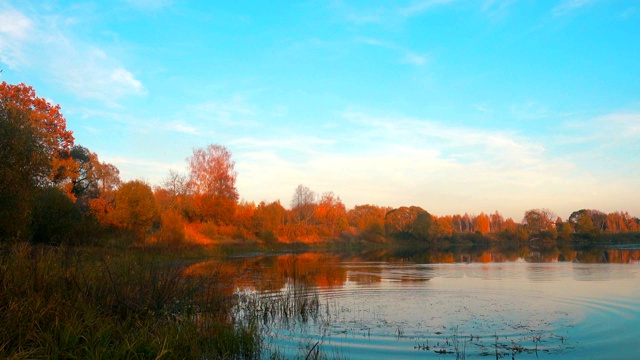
(292, 306)
(70, 303)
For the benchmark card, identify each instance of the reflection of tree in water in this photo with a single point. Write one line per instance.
(319, 269)
(272, 273)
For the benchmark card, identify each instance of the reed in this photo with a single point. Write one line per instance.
(75, 303)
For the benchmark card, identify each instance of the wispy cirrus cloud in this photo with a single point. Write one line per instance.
(46, 44)
(567, 6)
(385, 14)
(15, 29)
(235, 111)
(420, 7)
(148, 4)
(406, 56)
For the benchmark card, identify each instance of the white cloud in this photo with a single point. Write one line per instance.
(125, 79)
(47, 45)
(235, 111)
(397, 160)
(414, 59)
(624, 125)
(15, 30)
(15, 24)
(181, 127)
(154, 171)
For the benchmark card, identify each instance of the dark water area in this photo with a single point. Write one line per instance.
(516, 302)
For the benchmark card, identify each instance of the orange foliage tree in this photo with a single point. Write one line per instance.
(20, 102)
(34, 153)
(268, 219)
(368, 218)
(331, 214)
(482, 223)
(213, 182)
(134, 208)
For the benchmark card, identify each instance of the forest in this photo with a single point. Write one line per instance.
(54, 191)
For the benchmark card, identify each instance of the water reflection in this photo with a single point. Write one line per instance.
(322, 269)
(516, 302)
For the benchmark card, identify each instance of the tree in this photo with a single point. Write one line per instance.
(22, 163)
(303, 204)
(269, 216)
(482, 223)
(496, 222)
(586, 221)
(213, 180)
(34, 146)
(412, 222)
(368, 218)
(539, 220)
(331, 213)
(134, 208)
(174, 194)
(47, 125)
(55, 217)
(268, 219)
(564, 229)
(442, 227)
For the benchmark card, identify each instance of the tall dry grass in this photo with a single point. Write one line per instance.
(64, 303)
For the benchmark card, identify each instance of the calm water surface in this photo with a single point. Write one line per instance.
(463, 303)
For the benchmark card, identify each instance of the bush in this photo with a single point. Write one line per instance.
(268, 237)
(55, 217)
(172, 229)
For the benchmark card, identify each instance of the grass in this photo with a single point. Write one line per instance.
(65, 303)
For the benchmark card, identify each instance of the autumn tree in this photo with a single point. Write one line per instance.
(213, 180)
(564, 229)
(368, 218)
(34, 153)
(442, 227)
(497, 221)
(620, 221)
(174, 194)
(539, 220)
(303, 204)
(269, 216)
(47, 125)
(483, 223)
(22, 164)
(331, 213)
(587, 221)
(409, 222)
(268, 219)
(244, 215)
(134, 208)
(457, 222)
(89, 177)
(467, 223)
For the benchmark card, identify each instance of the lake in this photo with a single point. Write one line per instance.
(462, 302)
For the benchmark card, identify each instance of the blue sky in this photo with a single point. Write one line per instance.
(452, 105)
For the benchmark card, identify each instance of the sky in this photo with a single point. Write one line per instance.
(451, 105)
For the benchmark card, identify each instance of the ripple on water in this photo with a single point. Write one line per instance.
(517, 309)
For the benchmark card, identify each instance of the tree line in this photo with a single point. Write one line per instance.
(55, 191)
